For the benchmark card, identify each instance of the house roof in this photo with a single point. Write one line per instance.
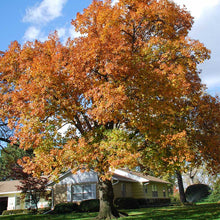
(7, 187)
(144, 178)
(122, 178)
(118, 174)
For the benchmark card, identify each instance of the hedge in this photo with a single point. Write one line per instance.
(67, 207)
(24, 211)
(126, 203)
(91, 205)
(153, 202)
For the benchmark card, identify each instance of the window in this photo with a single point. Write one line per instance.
(17, 201)
(123, 189)
(83, 192)
(145, 189)
(164, 192)
(154, 191)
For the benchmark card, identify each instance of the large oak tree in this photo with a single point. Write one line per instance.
(127, 74)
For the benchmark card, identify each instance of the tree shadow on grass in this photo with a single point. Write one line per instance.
(75, 216)
(201, 212)
(210, 211)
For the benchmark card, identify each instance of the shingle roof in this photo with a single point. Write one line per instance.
(9, 186)
(147, 177)
(122, 178)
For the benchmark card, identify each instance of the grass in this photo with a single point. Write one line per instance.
(201, 212)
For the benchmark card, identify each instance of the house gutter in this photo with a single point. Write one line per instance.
(12, 192)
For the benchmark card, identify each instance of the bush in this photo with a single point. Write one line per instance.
(68, 207)
(175, 199)
(14, 212)
(126, 203)
(91, 205)
(43, 210)
(153, 202)
(196, 192)
(215, 195)
(24, 211)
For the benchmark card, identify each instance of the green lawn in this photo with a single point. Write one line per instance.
(201, 211)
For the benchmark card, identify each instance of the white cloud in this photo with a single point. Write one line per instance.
(41, 14)
(44, 12)
(31, 33)
(114, 1)
(61, 32)
(197, 7)
(73, 33)
(207, 30)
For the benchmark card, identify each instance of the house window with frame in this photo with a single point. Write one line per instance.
(145, 188)
(164, 192)
(154, 191)
(123, 190)
(83, 192)
(17, 201)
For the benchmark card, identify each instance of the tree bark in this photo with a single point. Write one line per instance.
(106, 197)
(181, 187)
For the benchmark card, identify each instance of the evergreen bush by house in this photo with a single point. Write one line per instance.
(91, 205)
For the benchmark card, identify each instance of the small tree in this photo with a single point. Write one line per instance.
(32, 187)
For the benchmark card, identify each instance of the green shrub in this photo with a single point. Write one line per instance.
(175, 199)
(142, 202)
(43, 210)
(215, 195)
(67, 207)
(14, 212)
(153, 202)
(197, 192)
(126, 203)
(25, 211)
(91, 205)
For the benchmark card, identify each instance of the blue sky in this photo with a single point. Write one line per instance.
(24, 20)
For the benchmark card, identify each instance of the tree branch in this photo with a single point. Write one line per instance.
(5, 140)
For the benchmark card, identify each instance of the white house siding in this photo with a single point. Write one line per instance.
(71, 186)
(14, 201)
(63, 190)
(43, 203)
(78, 178)
(11, 203)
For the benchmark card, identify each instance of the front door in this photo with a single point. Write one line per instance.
(3, 204)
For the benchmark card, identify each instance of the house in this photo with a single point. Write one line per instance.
(83, 186)
(11, 197)
(128, 184)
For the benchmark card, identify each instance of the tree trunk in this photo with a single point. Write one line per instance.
(106, 197)
(181, 187)
(34, 200)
